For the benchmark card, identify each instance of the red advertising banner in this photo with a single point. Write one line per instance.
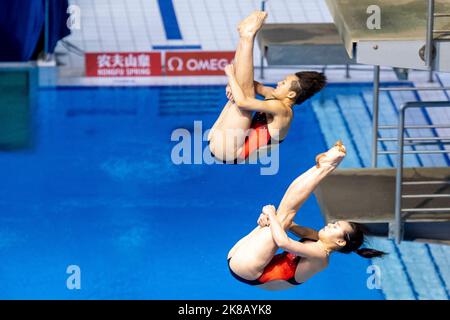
(123, 64)
(199, 63)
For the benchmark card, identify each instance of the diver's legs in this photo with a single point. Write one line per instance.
(253, 255)
(302, 187)
(241, 241)
(229, 131)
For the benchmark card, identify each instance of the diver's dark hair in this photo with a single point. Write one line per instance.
(307, 85)
(355, 239)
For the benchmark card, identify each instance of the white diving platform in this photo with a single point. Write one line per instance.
(367, 196)
(401, 37)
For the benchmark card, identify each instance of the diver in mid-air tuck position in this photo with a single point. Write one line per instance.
(253, 259)
(247, 124)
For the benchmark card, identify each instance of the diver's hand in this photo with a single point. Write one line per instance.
(271, 212)
(269, 209)
(263, 220)
(229, 93)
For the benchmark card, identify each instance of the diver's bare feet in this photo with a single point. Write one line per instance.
(333, 157)
(250, 25)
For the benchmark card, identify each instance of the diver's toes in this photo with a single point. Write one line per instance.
(262, 17)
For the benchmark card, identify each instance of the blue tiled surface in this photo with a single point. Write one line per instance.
(169, 19)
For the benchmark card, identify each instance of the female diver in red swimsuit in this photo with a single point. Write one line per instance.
(253, 259)
(247, 124)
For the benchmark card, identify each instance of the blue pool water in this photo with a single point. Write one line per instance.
(98, 190)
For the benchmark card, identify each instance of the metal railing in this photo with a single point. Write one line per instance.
(431, 31)
(261, 69)
(429, 38)
(375, 118)
(399, 210)
(396, 229)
